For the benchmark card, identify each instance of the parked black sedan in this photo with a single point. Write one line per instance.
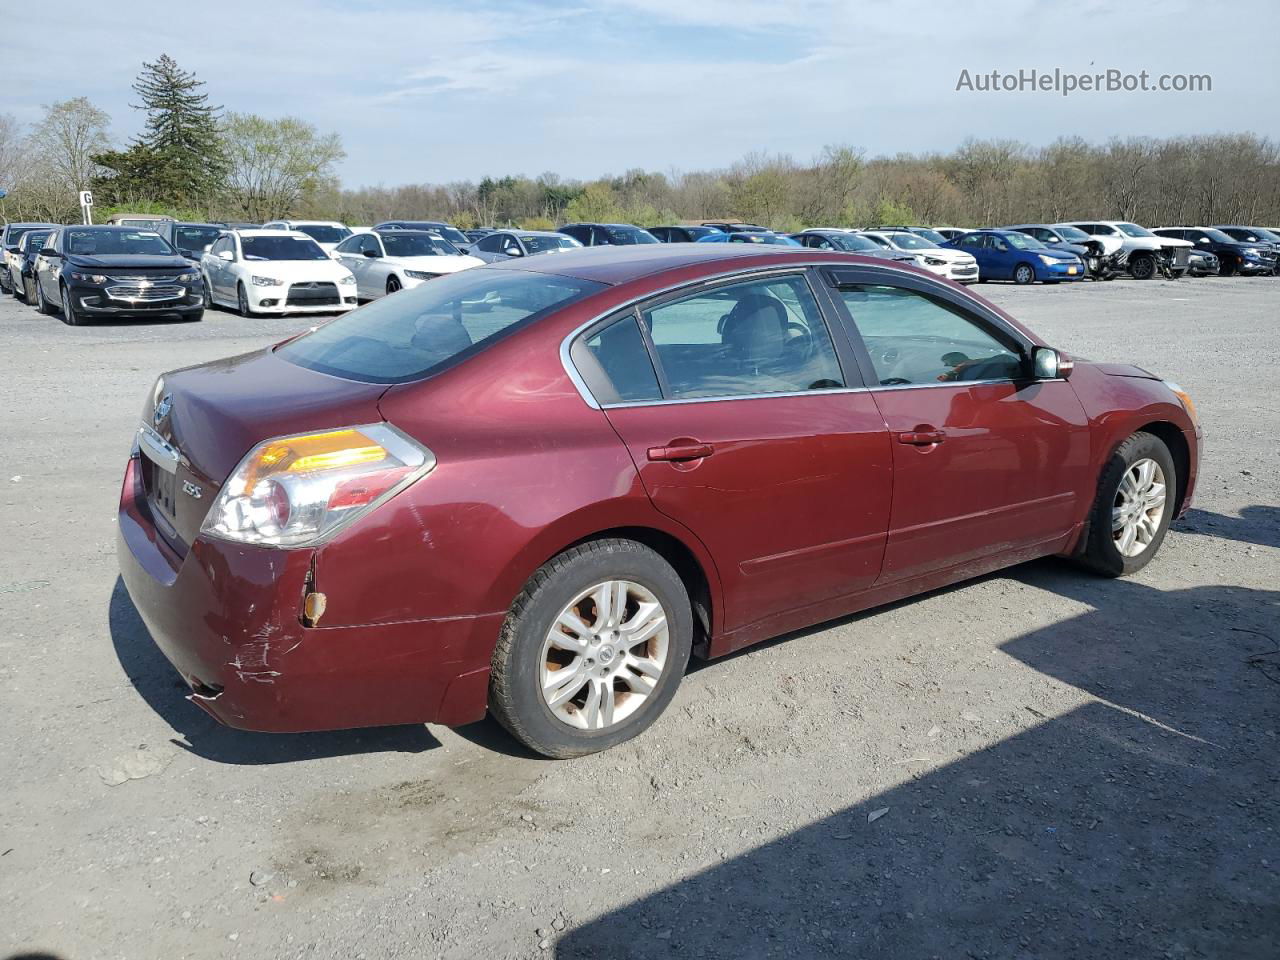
(23, 263)
(1234, 256)
(9, 237)
(112, 272)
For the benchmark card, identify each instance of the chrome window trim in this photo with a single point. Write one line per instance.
(879, 388)
(800, 266)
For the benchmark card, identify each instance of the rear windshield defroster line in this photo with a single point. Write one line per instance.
(415, 333)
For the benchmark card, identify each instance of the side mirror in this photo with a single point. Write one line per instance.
(48, 252)
(513, 252)
(371, 254)
(1049, 364)
(226, 255)
(188, 254)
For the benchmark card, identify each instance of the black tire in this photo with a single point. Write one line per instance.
(1142, 267)
(69, 315)
(1101, 554)
(514, 695)
(42, 305)
(1023, 274)
(206, 294)
(393, 284)
(28, 295)
(242, 301)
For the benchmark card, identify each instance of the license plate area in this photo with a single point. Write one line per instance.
(162, 490)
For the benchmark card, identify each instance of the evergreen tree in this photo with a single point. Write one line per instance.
(179, 158)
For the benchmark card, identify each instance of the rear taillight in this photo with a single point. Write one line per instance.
(298, 490)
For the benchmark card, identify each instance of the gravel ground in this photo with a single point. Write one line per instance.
(1036, 764)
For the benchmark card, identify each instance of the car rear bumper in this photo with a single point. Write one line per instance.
(228, 617)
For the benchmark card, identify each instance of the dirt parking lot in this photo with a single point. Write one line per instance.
(1036, 764)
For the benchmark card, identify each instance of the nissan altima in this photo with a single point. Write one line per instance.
(536, 488)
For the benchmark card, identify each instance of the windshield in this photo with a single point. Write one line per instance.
(537, 244)
(323, 233)
(281, 248)
(849, 241)
(408, 336)
(1133, 230)
(417, 245)
(909, 241)
(1071, 234)
(928, 234)
(630, 235)
(15, 234)
(195, 239)
(1217, 236)
(96, 243)
(1020, 241)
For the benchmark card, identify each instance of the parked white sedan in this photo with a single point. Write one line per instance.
(391, 260)
(952, 264)
(275, 271)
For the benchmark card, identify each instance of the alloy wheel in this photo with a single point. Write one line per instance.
(1138, 507)
(1023, 274)
(604, 655)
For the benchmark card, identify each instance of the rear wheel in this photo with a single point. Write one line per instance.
(1023, 274)
(70, 316)
(592, 650)
(28, 292)
(1142, 267)
(393, 284)
(1135, 504)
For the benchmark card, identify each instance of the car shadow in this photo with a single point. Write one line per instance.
(159, 685)
(1138, 823)
(1258, 524)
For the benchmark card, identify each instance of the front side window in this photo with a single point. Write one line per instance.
(915, 340)
(408, 336)
(756, 337)
(489, 244)
(221, 245)
(349, 245)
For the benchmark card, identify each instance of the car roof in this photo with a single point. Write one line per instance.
(620, 264)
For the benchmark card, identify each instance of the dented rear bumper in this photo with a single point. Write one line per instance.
(229, 618)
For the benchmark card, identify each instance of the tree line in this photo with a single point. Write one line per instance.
(195, 161)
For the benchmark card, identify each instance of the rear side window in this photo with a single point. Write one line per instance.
(913, 339)
(408, 336)
(757, 337)
(616, 365)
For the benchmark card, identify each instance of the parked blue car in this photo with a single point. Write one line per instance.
(1010, 255)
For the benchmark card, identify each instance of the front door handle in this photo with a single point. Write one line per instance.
(678, 452)
(922, 437)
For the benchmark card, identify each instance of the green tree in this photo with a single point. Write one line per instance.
(181, 133)
(275, 165)
(596, 204)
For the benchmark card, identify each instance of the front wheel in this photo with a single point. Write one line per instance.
(42, 305)
(242, 301)
(1142, 268)
(393, 284)
(1136, 499)
(592, 650)
(69, 315)
(1023, 274)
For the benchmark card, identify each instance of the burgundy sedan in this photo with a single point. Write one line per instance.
(536, 488)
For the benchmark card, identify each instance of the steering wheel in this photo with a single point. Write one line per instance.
(799, 343)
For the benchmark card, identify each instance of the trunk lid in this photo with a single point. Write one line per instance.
(213, 414)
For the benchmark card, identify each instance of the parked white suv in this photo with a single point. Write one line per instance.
(1144, 248)
(327, 233)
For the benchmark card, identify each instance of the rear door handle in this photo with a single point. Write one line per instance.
(922, 438)
(679, 452)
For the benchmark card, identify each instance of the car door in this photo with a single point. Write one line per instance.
(216, 267)
(347, 253)
(986, 460)
(754, 433)
(370, 268)
(979, 245)
(48, 267)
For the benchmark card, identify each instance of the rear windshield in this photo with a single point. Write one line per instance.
(281, 248)
(406, 337)
(90, 242)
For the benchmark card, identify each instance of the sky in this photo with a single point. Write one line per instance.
(423, 91)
